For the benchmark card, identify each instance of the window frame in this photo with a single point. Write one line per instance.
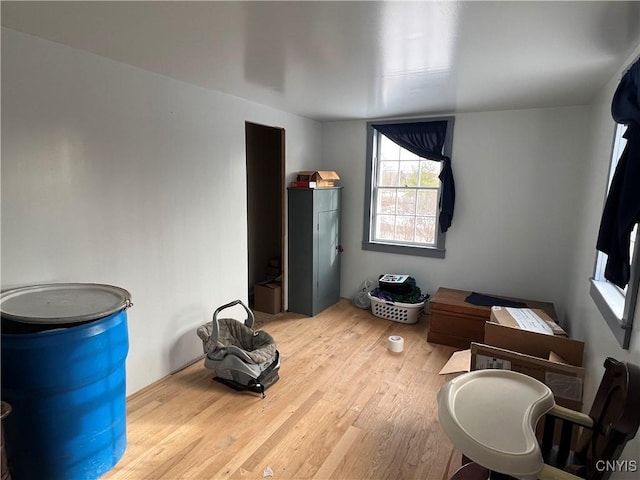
(438, 249)
(615, 305)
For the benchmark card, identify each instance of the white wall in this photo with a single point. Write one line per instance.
(111, 174)
(518, 182)
(585, 320)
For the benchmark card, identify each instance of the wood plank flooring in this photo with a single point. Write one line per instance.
(344, 408)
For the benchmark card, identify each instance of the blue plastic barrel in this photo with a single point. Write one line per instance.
(64, 377)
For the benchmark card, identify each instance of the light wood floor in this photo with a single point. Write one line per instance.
(344, 408)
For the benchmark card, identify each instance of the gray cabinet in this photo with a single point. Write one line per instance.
(314, 249)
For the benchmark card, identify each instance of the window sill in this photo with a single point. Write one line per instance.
(433, 252)
(611, 302)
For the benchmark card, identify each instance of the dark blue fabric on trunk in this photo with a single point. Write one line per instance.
(490, 301)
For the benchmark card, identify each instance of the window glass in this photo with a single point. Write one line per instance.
(407, 192)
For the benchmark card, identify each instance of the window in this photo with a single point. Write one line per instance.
(404, 192)
(617, 305)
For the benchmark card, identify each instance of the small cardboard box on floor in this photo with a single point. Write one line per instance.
(555, 360)
(267, 297)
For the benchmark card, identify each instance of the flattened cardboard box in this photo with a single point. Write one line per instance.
(565, 381)
(529, 353)
(553, 359)
(460, 362)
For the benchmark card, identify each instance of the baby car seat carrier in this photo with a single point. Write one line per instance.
(241, 357)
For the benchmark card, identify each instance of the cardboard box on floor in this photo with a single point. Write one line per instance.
(553, 359)
(267, 297)
(533, 319)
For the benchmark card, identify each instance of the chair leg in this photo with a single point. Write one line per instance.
(547, 437)
(564, 447)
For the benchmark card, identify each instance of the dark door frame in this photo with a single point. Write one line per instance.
(281, 164)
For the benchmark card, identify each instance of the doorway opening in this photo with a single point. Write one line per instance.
(265, 150)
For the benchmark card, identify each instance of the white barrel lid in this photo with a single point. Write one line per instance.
(60, 303)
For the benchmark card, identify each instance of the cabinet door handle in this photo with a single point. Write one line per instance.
(340, 249)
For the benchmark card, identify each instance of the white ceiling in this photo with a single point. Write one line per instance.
(339, 60)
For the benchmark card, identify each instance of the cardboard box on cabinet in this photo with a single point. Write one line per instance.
(318, 178)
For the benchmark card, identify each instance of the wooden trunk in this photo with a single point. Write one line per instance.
(457, 323)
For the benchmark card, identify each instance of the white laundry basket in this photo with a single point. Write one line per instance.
(396, 311)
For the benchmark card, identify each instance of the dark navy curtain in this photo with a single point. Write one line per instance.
(622, 207)
(427, 139)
